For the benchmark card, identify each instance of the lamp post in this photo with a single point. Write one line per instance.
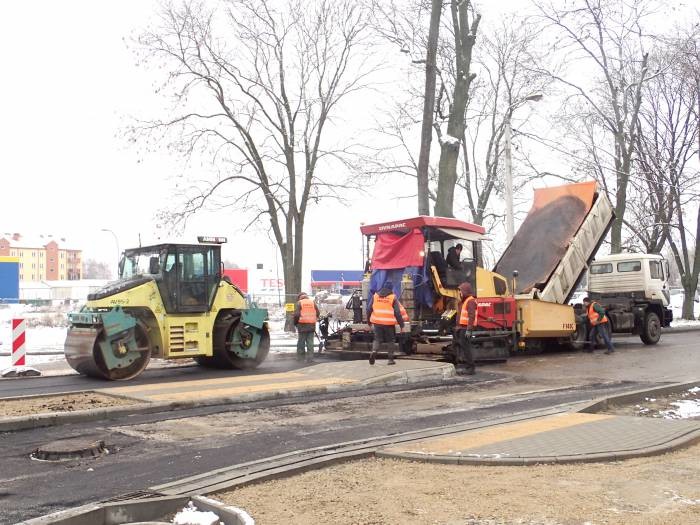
(510, 223)
(116, 241)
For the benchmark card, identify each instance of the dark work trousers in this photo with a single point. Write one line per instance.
(464, 349)
(305, 338)
(384, 337)
(600, 329)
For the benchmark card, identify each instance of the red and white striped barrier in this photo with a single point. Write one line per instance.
(18, 346)
(19, 352)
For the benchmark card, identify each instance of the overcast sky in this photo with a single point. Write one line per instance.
(70, 84)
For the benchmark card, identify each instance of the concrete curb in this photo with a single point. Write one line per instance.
(422, 376)
(680, 329)
(144, 511)
(601, 405)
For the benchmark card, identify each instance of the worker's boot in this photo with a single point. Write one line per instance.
(390, 360)
(372, 357)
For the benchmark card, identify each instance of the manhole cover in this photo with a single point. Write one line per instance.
(70, 449)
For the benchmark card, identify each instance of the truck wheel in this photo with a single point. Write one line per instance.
(651, 330)
(578, 340)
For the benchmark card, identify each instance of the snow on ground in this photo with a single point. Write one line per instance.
(677, 308)
(190, 515)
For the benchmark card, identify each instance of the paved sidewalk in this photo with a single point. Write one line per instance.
(582, 436)
(333, 376)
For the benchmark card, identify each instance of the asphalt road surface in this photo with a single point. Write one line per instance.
(147, 450)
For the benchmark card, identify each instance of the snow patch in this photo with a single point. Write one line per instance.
(685, 409)
(190, 515)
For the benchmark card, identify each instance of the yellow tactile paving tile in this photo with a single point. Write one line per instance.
(477, 438)
(232, 391)
(199, 383)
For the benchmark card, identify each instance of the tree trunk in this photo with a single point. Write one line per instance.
(689, 301)
(449, 155)
(428, 108)
(465, 36)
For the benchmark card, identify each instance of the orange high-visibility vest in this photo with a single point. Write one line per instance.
(593, 315)
(464, 314)
(404, 313)
(383, 310)
(307, 314)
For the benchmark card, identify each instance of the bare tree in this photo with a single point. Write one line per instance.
(465, 24)
(255, 86)
(510, 72)
(685, 244)
(428, 108)
(606, 37)
(93, 269)
(665, 145)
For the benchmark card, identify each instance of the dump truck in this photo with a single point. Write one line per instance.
(522, 303)
(633, 289)
(170, 301)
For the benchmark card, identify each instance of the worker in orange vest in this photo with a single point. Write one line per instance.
(466, 322)
(599, 324)
(305, 316)
(384, 314)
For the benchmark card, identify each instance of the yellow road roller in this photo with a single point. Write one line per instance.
(171, 301)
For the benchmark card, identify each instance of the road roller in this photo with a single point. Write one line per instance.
(171, 301)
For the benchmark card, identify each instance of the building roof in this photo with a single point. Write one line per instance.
(329, 277)
(18, 240)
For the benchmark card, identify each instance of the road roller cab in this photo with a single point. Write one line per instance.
(170, 301)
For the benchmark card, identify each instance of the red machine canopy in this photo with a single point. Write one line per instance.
(404, 226)
(400, 244)
(392, 250)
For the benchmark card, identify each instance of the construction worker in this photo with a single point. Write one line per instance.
(466, 322)
(598, 319)
(384, 314)
(453, 257)
(355, 304)
(305, 316)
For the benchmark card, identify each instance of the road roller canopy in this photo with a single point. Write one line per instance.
(187, 274)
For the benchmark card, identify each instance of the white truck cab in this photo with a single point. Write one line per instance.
(633, 288)
(639, 275)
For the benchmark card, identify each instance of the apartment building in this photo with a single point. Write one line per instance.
(43, 257)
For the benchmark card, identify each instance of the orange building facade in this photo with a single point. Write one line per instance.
(43, 258)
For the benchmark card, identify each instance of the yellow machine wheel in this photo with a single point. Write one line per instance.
(84, 354)
(224, 356)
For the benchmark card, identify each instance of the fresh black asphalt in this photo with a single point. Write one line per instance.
(34, 488)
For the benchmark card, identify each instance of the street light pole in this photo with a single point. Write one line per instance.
(510, 221)
(116, 241)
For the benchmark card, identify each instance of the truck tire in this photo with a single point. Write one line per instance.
(579, 339)
(651, 329)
